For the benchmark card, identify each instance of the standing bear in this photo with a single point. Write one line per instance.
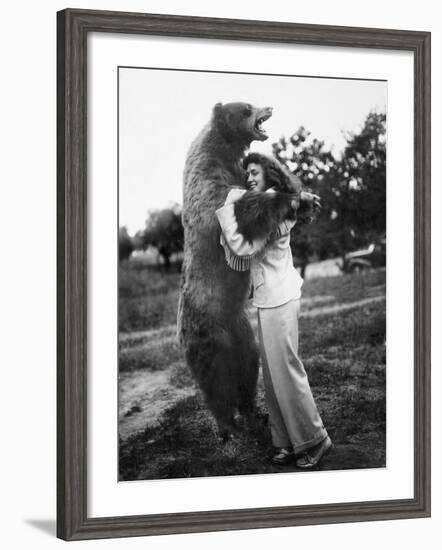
(220, 347)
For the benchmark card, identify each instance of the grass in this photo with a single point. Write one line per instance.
(147, 297)
(343, 349)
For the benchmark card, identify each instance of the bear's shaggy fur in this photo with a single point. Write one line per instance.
(259, 214)
(212, 324)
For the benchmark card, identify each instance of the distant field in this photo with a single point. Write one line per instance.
(165, 429)
(148, 297)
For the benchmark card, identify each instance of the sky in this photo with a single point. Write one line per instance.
(161, 112)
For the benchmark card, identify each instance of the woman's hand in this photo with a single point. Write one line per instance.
(294, 204)
(310, 200)
(310, 205)
(234, 195)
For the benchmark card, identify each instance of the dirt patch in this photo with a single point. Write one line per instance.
(143, 398)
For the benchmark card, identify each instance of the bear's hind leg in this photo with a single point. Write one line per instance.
(211, 359)
(247, 360)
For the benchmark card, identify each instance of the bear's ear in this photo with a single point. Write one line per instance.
(220, 119)
(218, 111)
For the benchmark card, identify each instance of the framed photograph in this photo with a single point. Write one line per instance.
(243, 274)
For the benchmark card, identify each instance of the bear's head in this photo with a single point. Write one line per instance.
(241, 122)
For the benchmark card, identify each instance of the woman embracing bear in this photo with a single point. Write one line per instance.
(297, 431)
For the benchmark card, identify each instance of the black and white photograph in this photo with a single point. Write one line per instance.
(220, 236)
(251, 273)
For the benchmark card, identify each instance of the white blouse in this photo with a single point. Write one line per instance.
(275, 279)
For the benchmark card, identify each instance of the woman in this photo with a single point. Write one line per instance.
(296, 427)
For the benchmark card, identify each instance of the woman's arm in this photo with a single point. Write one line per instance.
(233, 240)
(236, 242)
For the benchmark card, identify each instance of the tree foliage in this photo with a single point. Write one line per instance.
(125, 244)
(352, 189)
(163, 230)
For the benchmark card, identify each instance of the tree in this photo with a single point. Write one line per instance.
(125, 244)
(164, 230)
(312, 163)
(364, 171)
(352, 189)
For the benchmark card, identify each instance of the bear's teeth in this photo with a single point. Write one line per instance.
(259, 127)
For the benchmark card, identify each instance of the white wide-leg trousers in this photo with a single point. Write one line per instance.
(293, 417)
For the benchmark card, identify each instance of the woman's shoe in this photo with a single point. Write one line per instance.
(312, 457)
(283, 456)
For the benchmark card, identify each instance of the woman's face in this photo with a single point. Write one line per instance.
(255, 177)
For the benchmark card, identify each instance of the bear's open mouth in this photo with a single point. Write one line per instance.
(260, 121)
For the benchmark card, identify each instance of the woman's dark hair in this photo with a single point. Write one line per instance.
(274, 174)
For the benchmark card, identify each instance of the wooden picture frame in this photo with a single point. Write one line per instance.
(73, 27)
